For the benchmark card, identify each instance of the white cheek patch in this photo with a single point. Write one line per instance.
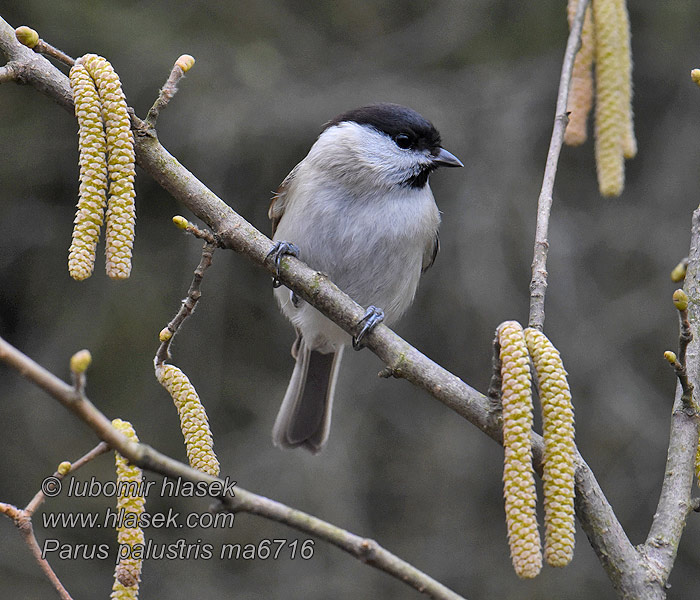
(372, 151)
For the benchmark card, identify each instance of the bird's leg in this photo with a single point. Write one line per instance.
(279, 250)
(373, 317)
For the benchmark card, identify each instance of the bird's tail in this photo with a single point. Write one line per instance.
(304, 418)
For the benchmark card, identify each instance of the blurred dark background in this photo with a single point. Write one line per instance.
(399, 467)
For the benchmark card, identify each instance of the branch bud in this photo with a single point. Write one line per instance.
(185, 62)
(80, 361)
(180, 222)
(64, 468)
(27, 36)
(695, 76)
(670, 357)
(680, 300)
(679, 271)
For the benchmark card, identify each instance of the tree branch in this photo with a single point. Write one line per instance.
(538, 283)
(8, 73)
(146, 457)
(186, 307)
(675, 501)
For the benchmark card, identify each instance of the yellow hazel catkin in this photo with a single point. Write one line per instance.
(518, 474)
(121, 214)
(614, 127)
(629, 141)
(127, 573)
(559, 449)
(93, 173)
(193, 418)
(581, 92)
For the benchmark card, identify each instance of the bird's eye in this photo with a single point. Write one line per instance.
(403, 140)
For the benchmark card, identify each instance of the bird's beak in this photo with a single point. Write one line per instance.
(447, 159)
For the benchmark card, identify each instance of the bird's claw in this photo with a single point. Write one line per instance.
(279, 250)
(373, 317)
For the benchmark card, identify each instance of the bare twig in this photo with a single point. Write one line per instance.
(682, 374)
(538, 283)
(26, 530)
(187, 307)
(679, 363)
(686, 336)
(47, 49)
(244, 501)
(202, 234)
(39, 497)
(168, 90)
(23, 520)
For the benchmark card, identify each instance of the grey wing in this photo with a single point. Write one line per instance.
(279, 200)
(430, 253)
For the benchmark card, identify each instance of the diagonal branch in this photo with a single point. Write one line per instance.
(675, 502)
(366, 550)
(538, 284)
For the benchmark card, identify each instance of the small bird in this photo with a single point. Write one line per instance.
(359, 209)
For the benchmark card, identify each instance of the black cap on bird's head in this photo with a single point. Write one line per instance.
(409, 129)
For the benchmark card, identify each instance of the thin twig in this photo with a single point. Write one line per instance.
(538, 284)
(187, 307)
(202, 234)
(26, 530)
(679, 363)
(244, 501)
(685, 337)
(47, 49)
(167, 92)
(23, 520)
(39, 497)
(686, 386)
